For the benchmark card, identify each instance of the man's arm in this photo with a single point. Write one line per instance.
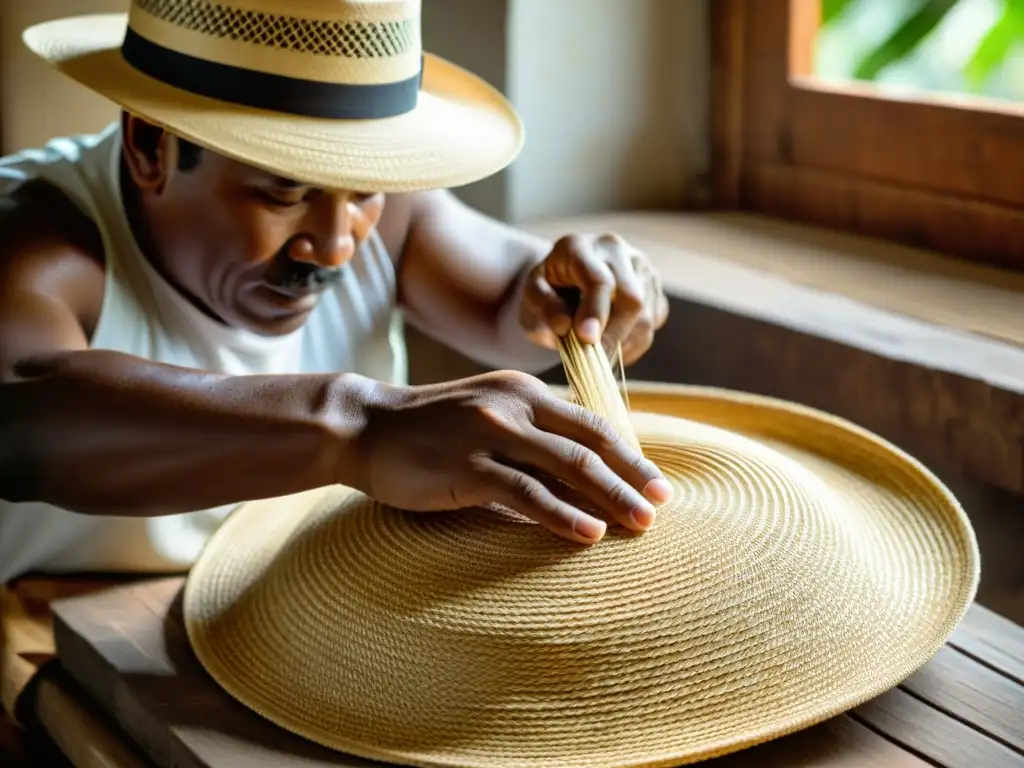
(461, 275)
(102, 432)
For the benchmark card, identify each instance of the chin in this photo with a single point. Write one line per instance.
(272, 314)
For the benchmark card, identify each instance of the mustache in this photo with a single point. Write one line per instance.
(293, 275)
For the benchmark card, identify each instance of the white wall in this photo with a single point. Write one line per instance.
(614, 97)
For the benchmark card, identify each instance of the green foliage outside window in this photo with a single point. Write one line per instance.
(971, 46)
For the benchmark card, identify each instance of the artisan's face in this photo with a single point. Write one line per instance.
(253, 249)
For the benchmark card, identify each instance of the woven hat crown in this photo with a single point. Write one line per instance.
(324, 58)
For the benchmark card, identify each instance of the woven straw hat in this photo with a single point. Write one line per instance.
(336, 93)
(804, 566)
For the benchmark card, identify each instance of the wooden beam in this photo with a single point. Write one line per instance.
(728, 27)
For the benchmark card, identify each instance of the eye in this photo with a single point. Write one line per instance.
(282, 199)
(361, 198)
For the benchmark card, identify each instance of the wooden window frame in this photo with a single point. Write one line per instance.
(940, 172)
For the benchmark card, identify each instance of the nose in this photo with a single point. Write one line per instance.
(329, 240)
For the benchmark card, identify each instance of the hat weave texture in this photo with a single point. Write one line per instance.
(454, 130)
(803, 566)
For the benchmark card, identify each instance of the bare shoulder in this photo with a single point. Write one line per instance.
(51, 272)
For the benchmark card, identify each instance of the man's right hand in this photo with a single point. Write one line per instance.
(482, 441)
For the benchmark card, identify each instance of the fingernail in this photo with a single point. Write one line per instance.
(658, 491)
(590, 331)
(643, 515)
(589, 528)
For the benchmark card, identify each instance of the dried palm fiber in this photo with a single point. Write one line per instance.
(803, 566)
(593, 385)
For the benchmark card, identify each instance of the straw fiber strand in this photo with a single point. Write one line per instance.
(593, 384)
(803, 567)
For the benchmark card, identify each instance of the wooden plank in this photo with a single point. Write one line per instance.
(81, 733)
(977, 231)
(929, 732)
(728, 30)
(765, 72)
(26, 634)
(972, 693)
(993, 641)
(961, 146)
(128, 649)
(837, 743)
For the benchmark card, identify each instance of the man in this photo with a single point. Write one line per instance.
(188, 324)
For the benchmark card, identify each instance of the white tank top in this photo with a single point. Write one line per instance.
(354, 328)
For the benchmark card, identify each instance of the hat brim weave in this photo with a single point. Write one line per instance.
(462, 129)
(803, 567)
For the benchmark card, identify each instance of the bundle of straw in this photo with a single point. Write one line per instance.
(593, 385)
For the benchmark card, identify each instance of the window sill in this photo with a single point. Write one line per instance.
(926, 351)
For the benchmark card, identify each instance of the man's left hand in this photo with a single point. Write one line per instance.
(621, 297)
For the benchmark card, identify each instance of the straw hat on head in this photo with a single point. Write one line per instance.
(804, 566)
(336, 93)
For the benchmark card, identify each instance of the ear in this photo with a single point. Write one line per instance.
(150, 153)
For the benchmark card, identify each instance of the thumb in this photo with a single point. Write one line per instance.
(547, 307)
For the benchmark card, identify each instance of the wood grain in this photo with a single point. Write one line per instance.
(764, 77)
(940, 171)
(81, 732)
(975, 230)
(950, 145)
(128, 650)
(728, 30)
(971, 693)
(841, 742)
(927, 731)
(992, 640)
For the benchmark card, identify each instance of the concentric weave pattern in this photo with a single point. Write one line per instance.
(802, 567)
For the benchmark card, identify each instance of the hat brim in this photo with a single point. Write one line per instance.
(803, 567)
(462, 129)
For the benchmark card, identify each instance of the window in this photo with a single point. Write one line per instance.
(806, 131)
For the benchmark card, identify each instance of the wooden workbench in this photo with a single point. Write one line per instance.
(127, 680)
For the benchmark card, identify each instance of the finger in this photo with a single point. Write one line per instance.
(559, 417)
(629, 298)
(584, 471)
(577, 263)
(528, 496)
(546, 309)
(596, 293)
